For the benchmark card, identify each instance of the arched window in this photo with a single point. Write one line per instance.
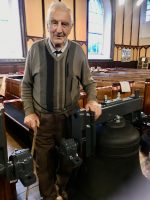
(10, 30)
(99, 29)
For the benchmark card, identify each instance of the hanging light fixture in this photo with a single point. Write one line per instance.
(121, 2)
(139, 2)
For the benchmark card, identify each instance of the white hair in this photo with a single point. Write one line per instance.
(58, 5)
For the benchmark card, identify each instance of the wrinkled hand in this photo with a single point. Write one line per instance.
(95, 107)
(32, 121)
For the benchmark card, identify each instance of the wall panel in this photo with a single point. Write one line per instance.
(148, 52)
(34, 23)
(142, 52)
(81, 20)
(127, 22)
(118, 23)
(135, 24)
(115, 53)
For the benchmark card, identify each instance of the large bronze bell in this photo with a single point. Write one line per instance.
(114, 173)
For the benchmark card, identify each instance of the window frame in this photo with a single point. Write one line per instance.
(112, 37)
(23, 36)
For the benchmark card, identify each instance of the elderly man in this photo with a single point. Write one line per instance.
(55, 69)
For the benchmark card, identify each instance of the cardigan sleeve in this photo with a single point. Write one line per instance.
(27, 86)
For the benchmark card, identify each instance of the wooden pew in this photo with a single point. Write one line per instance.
(139, 85)
(107, 84)
(119, 74)
(102, 92)
(114, 76)
(7, 189)
(146, 101)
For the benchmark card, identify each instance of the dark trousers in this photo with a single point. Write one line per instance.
(52, 129)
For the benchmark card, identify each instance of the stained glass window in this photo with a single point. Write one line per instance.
(148, 11)
(99, 29)
(95, 29)
(10, 31)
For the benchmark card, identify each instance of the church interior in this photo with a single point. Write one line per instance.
(115, 37)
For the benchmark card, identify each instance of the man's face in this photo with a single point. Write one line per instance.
(59, 27)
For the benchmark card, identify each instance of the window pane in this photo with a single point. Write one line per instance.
(96, 27)
(148, 11)
(95, 43)
(10, 34)
(96, 23)
(148, 18)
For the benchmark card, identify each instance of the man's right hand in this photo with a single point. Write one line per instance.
(32, 121)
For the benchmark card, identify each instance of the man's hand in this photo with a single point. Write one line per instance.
(32, 121)
(95, 107)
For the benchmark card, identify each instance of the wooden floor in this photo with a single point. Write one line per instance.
(34, 190)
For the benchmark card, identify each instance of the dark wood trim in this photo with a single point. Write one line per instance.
(132, 46)
(138, 48)
(23, 26)
(133, 53)
(33, 38)
(12, 67)
(43, 18)
(139, 51)
(126, 46)
(112, 64)
(11, 61)
(113, 9)
(74, 17)
(87, 25)
(81, 42)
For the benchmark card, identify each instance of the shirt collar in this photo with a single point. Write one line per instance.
(53, 49)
